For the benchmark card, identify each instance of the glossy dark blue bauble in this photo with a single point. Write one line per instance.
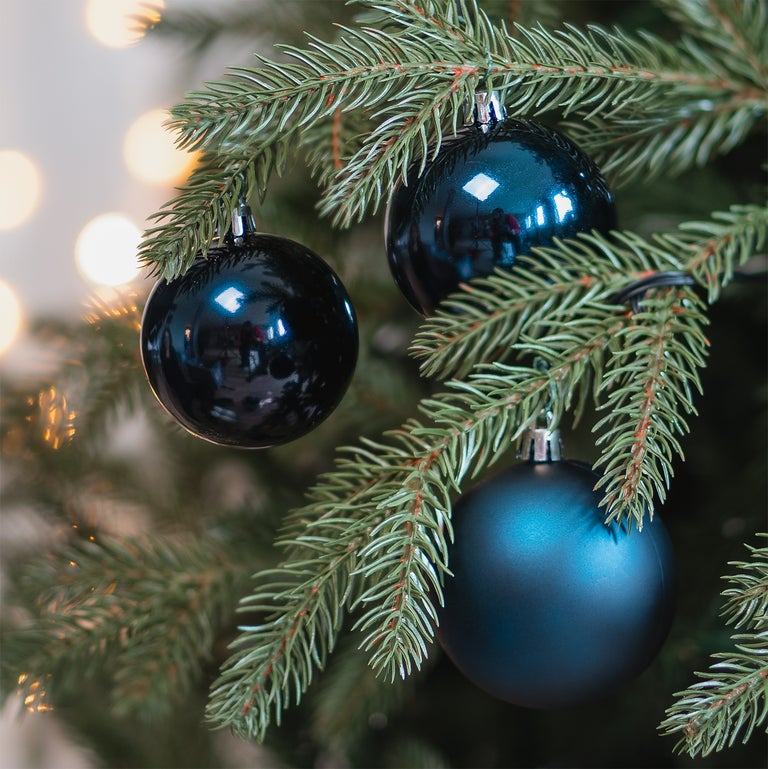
(548, 606)
(253, 346)
(487, 197)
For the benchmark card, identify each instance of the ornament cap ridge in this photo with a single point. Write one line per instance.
(541, 444)
(243, 222)
(488, 109)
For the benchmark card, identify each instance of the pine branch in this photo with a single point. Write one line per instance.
(374, 532)
(412, 76)
(747, 599)
(580, 278)
(374, 535)
(145, 612)
(650, 379)
(190, 224)
(736, 29)
(732, 700)
(726, 39)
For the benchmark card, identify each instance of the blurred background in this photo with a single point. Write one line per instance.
(84, 161)
(84, 157)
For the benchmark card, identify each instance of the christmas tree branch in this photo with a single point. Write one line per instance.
(374, 536)
(374, 533)
(153, 608)
(649, 381)
(412, 75)
(580, 278)
(303, 603)
(746, 602)
(653, 360)
(737, 29)
(732, 700)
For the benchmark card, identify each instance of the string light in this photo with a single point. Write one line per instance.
(56, 417)
(10, 317)
(106, 250)
(34, 694)
(20, 188)
(120, 23)
(150, 152)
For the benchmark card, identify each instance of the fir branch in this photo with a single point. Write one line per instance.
(669, 140)
(374, 535)
(374, 532)
(650, 379)
(579, 278)
(412, 77)
(274, 662)
(732, 698)
(746, 602)
(150, 607)
(738, 30)
(189, 225)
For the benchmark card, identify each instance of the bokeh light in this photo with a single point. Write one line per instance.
(150, 152)
(10, 317)
(106, 250)
(19, 188)
(120, 23)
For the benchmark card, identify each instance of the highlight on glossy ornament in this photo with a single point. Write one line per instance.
(492, 193)
(548, 606)
(255, 345)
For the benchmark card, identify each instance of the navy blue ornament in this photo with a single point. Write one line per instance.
(493, 192)
(549, 606)
(254, 345)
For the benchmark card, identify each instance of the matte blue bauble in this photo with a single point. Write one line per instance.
(548, 606)
(488, 196)
(253, 346)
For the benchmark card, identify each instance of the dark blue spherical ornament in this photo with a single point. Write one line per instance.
(253, 346)
(548, 606)
(491, 193)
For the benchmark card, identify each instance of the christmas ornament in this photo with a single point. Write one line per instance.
(255, 345)
(499, 188)
(548, 606)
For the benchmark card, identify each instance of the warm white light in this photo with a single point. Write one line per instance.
(150, 152)
(106, 250)
(115, 23)
(19, 188)
(10, 316)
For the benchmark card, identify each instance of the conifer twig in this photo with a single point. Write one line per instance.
(731, 700)
(152, 607)
(410, 76)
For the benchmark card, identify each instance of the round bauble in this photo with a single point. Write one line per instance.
(253, 346)
(549, 606)
(491, 193)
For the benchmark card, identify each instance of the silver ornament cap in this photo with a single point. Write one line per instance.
(541, 444)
